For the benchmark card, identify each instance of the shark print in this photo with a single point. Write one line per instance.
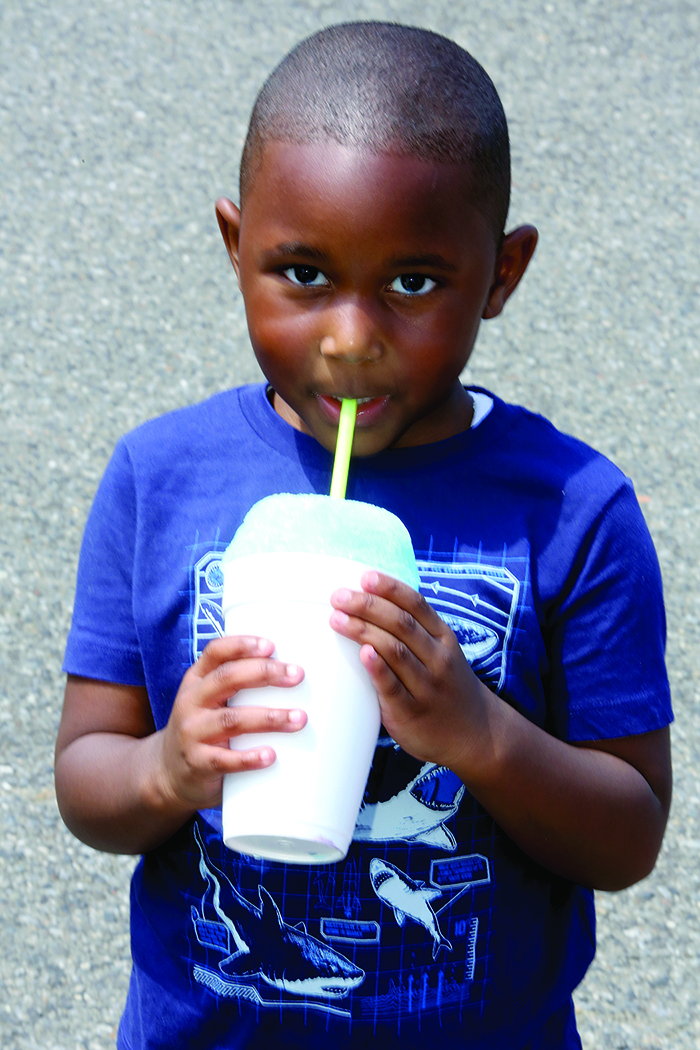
(417, 814)
(408, 899)
(266, 948)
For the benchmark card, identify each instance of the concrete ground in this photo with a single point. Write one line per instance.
(120, 123)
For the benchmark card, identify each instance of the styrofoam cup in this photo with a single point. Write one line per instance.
(303, 808)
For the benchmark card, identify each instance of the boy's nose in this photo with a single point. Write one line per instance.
(352, 337)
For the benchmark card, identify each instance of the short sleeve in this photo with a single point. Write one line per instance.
(608, 635)
(103, 641)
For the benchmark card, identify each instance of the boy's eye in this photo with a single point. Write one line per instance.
(413, 284)
(305, 276)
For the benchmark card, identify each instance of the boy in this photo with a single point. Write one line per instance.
(524, 757)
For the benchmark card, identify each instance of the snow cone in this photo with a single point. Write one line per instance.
(288, 556)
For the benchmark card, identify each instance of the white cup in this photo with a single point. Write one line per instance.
(302, 809)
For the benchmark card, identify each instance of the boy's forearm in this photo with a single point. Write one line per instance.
(583, 813)
(109, 793)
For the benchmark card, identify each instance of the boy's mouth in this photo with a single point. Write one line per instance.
(368, 408)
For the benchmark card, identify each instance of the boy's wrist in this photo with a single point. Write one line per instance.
(481, 752)
(155, 787)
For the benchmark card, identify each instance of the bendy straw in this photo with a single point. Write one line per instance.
(343, 448)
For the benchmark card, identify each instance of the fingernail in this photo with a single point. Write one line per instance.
(295, 717)
(371, 579)
(343, 595)
(291, 670)
(339, 619)
(266, 756)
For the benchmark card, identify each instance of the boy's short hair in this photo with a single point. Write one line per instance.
(388, 88)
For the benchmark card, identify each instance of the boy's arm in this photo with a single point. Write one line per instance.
(594, 813)
(125, 788)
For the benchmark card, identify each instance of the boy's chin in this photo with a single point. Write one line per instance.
(364, 444)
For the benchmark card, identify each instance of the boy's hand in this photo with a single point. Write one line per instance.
(195, 752)
(429, 695)
(125, 788)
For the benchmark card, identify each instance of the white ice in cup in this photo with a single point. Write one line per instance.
(289, 555)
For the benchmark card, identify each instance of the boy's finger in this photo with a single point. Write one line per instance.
(358, 612)
(404, 597)
(222, 724)
(402, 657)
(388, 602)
(233, 647)
(253, 759)
(218, 761)
(209, 762)
(226, 679)
(388, 685)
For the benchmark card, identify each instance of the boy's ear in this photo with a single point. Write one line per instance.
(516, 251)
(229, 218)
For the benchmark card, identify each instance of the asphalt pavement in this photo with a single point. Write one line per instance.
(120, 124)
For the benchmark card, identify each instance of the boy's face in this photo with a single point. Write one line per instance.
(364, 276)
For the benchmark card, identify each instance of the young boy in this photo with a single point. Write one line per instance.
(524, 756)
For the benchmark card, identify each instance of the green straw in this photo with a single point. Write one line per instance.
(343, 448)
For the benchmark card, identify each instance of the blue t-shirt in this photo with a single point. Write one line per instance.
(436, 926)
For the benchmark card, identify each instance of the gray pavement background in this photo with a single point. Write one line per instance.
(120, 123)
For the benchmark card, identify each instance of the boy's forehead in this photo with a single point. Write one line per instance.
(321, 191)
(294, 166)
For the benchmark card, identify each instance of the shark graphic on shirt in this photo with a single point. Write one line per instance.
(266, 947)
(417, 813)
(407, 898)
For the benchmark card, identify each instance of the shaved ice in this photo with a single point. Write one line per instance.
(339, 528)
